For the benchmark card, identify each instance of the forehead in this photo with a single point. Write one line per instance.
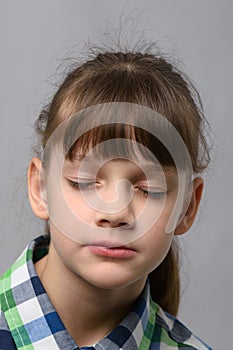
(126, 167)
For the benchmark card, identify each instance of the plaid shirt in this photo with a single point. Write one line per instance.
(29, 321)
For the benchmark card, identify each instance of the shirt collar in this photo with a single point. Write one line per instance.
(33, 320)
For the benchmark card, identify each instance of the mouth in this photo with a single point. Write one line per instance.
(111, 250)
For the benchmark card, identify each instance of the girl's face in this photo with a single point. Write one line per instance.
(108, 263)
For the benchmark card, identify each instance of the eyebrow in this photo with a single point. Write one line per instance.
(147, 165)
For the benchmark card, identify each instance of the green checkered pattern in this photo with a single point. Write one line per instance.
(9, 306)
(29, 321)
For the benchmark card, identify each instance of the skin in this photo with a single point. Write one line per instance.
(101, 289)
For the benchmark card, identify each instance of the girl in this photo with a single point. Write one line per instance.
(121, 140)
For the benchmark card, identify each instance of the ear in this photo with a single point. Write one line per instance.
(189, 217)
(38, 203)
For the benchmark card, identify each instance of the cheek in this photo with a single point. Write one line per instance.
(156, 244)
(66, 250)
(63, 244)
(79, 207)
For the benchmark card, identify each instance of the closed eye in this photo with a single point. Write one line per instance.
(81, 185)
(151, 193)
(88, 185)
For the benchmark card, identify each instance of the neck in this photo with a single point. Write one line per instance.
(98, 310)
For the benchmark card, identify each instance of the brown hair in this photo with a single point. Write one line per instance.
(146, 79)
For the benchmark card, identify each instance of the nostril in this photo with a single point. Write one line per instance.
(103, 222)
(112, 223)
(122, 224)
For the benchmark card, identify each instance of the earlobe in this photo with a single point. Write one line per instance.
(37, 201)
(191, 212)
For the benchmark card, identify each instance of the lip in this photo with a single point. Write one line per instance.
(111, 250)
(109, 244)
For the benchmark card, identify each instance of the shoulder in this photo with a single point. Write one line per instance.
(172, 333)
(10, 292)
(6, 339)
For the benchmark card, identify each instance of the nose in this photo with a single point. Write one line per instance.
(119, 212)
(124, 217)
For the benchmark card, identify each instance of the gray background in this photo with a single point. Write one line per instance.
(35, 36)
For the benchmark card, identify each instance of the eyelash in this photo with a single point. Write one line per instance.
(141, 191)
(152, 194)
(81, 185)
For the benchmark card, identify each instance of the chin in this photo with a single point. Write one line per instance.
(111, 280)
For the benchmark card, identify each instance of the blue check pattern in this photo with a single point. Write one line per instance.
(29, 321)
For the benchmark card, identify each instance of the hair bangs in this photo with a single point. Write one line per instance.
(120, 141)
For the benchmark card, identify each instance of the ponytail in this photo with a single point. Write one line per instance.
(165, 282)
